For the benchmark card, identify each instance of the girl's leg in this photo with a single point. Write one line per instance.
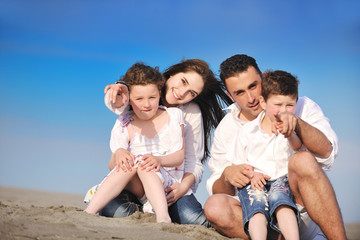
(258, 226)
(112, 186)
(135, 187)
(287, 222)
(155, 193)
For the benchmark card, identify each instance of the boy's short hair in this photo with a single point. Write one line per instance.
(141, 74)
(237, 64)
(279, 83)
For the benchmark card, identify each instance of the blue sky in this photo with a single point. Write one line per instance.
(57, 56)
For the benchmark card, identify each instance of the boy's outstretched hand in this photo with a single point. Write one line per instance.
(285, 123)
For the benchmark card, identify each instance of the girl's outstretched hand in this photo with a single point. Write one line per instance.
(118, 94)
(123, 159)
(149, 163)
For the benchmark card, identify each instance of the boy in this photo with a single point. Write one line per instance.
(268, 199)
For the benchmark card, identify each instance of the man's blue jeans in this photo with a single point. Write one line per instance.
(186, 210)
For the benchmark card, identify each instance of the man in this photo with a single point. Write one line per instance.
(311, 188)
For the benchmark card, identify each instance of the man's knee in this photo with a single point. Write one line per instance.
(303, 164)
(212, 206)
(220, 210)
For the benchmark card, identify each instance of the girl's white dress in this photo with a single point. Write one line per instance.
(168, 140)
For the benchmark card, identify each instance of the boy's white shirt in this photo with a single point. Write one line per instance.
(267, 154)
(193, 134)
(225, 133)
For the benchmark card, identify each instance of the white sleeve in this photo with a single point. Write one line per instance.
(218, 161)
(237, 150)
(311, 113)
(119, 137)
(194, 143)
(176, 119)
(111, 106)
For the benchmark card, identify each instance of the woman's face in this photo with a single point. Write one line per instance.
(183, 87)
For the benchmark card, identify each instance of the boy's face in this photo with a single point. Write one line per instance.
(276, 104)
(245, 89)
(144, 100)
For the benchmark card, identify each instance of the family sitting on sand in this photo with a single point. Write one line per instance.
(267, 158)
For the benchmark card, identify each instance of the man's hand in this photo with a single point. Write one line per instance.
(118, 94)
(238, 175)
(285, 123)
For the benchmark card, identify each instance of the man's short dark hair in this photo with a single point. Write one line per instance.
(237, 64)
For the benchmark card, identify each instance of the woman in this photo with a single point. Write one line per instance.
(192, 87)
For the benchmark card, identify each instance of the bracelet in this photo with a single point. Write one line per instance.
(124, 83)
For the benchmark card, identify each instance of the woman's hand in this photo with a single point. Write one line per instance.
(174, 192)
(149, 163)
(122, 159)
(258, 181)
(118, 94)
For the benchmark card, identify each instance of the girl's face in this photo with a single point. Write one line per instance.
(144, 100)
(183, 87)
(276, 104)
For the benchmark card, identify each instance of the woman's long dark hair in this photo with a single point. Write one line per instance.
(211, 100)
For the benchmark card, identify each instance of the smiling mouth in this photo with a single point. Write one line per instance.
(255, 106)
(175, 95)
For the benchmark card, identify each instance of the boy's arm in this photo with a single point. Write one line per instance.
(294, 141)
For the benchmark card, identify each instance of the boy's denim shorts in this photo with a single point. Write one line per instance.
(274, 194)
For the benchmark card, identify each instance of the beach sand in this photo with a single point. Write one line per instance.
(32, 214)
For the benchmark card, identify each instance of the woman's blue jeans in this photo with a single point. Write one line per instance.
(186, 210)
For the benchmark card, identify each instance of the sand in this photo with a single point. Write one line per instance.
(32, 214)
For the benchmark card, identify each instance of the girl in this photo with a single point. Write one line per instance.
(202, 108)
(149, 144)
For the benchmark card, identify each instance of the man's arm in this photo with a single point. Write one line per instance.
(313, 139)
(226, 175)
(235, 175)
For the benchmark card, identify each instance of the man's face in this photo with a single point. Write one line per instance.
(245, 89)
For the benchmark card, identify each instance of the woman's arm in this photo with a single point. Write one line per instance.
(176, 158)
(194, 143)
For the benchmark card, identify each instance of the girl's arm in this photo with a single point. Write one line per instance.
(116, 97)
